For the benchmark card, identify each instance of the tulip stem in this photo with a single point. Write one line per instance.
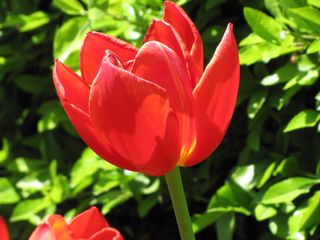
(179, 202)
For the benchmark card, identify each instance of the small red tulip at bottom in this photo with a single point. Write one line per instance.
(88, 225)
(4, 233)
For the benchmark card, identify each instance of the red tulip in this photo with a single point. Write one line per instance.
(4, 234)
(88, 225)
(152, 108)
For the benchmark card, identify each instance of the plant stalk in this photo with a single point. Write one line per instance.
(179, 202)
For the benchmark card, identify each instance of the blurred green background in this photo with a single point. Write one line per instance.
(261, 183)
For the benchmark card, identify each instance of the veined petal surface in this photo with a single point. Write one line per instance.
(135, 116)
(216, 93)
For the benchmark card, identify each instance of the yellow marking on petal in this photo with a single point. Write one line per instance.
(186, 152)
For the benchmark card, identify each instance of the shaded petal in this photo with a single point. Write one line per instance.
(70, 87)
(175, 16)
(87, 223)
(107, 234)
(93, 49)
(163, 32)
(93, 138)
(134, 115)
(216, 92)
(161, 65)
(4, 234)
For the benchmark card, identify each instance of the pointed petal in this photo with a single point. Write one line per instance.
(70, 87)
(216, 92)
(107, 234)
(154, 62)
(4, 234)
(163, 32)
(175, 16)
(87, 223)
(95, 139)
(135, 117)
(93, 49)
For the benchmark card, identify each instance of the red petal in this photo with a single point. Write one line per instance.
(154, 62)
(107, 234)
(42, 232)
(59, 227)
(95, 139)
(70, 87)
(4, 234)
(54, 228)
(216, 92)
(87, 223)
(134, 115)
(175, 16)
(92, 52)
(163, 32)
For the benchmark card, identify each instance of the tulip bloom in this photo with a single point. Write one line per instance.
(152, 108)
(88, 225)
(4, 234)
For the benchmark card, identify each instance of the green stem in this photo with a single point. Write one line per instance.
(179, 202)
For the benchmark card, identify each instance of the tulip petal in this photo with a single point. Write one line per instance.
(163, 32)
(154, 62)
(216, 92)
(93, 49)
(107, 234)
(70, 87)
(135, 116)
(87, 223)
(175, 16)
(4, 234)
(55, 227)
(95, 139)
(42, 232)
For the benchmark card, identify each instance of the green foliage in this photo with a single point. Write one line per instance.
(261, 183)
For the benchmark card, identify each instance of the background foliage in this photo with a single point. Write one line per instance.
(261, 183)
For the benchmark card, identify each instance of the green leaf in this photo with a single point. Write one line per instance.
(5, 150)
(306, 18)
(225, 226)
(287, 190)
(86, 166)
(201, 221)
(263, 212)
(282, 74)
(28, 209)
(30, 83)
(231, 198)
(314, 47)
(305, 118)
(306, 216)
(263, 25)
(315, 3)
(34, 21)
(8, 194)
(68, 40)
(71, 7)
(256, 102)
(146, 205)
